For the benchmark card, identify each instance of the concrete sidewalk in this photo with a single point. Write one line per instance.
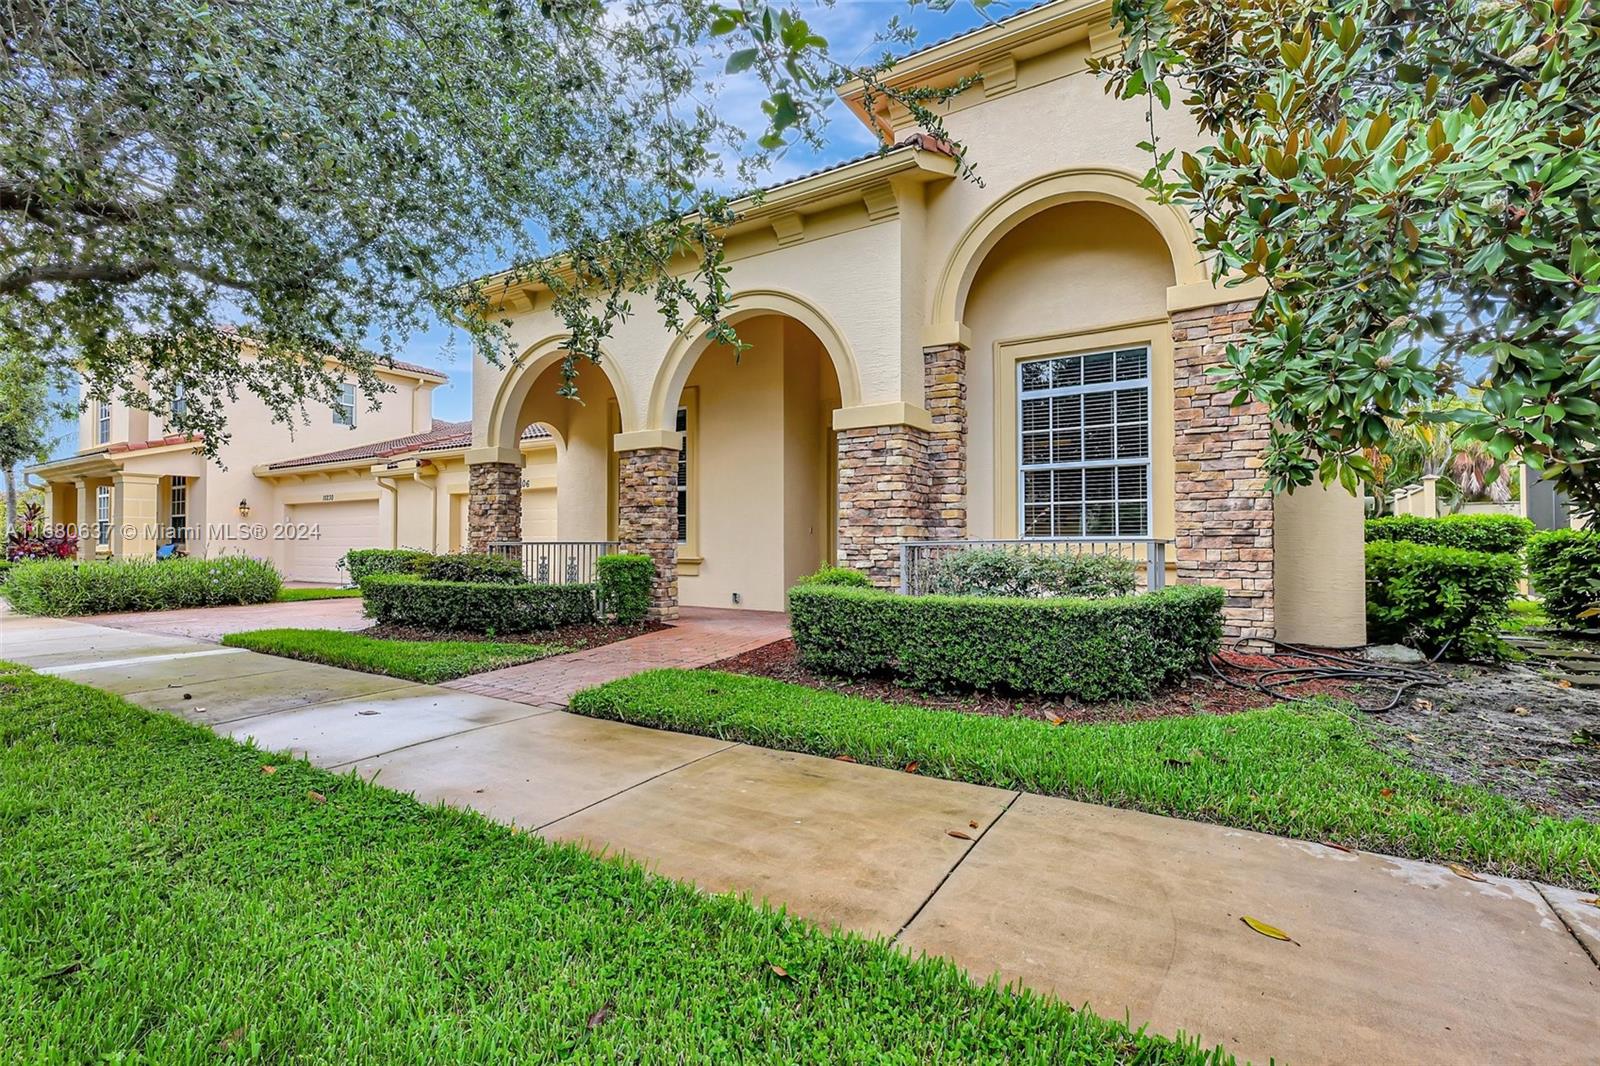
(1138, 916)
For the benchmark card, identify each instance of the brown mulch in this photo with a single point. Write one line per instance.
(587, 635)
(1198, 695)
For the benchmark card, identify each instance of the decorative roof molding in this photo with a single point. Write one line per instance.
(789, 228)
(999, 75)
(880, 201)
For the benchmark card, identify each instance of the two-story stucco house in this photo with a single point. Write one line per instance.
(933, 358)
(345, 477)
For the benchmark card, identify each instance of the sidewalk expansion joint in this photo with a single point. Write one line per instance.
(636, 784)
(956, 866)
(1573, 933)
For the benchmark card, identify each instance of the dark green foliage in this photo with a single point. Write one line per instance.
(167, 900)
(475, 606)
(1426, 595)
(1083, 649)
(1310, 771)
(362, 563)
(842, 576)
(1013, 572)
(1474, 532)
(60, 588)
(1564, 568)
(623, 582)
(469, 566)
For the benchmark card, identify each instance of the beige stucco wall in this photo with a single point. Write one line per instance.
(1320, 568)
(1079, 277)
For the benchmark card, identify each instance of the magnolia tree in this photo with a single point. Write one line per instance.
(1416, 183)
(323, 174)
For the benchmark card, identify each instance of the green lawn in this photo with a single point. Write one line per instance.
(429, 661)
(1526, 614)
(297, 595)
(1312, 773)
(165, 898)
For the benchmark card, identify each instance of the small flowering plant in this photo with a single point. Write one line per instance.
(32, 538)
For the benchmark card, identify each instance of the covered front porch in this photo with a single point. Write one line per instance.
(129, 504)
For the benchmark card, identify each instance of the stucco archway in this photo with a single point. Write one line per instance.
(687, 349)
(501, 429)
(1095, 184)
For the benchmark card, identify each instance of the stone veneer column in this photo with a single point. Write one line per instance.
(945, 382)
(494, 504)
(884, 484)
(1224, 510)
(647, 519)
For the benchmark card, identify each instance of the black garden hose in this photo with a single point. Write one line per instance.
(1271, 679)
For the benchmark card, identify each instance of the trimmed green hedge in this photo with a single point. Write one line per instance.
(470, 566)
(1426, 595)
(362, 563)
(1083, 649)
(1472, 532)
(623, 584)
(837, 575)
(61, 588)
(475, 606)
(1564, 568)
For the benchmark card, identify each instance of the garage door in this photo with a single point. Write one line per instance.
(539, 514)
(338, 527)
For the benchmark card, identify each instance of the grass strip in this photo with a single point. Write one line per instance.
(428, 661)
(165, 896)
(1311, 772)
(301, 595)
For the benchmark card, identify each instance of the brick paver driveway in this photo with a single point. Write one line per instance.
(212, 623)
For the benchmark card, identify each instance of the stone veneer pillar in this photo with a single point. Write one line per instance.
(884, 482)
(1224, 510)
(945, 383)
(647, 519)
(494, 504)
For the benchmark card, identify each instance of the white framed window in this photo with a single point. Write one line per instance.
(102, 417)
(682, 427)
(102, 515)
(344, 412)
(178, 507)
(180, 401)
(1083, 448)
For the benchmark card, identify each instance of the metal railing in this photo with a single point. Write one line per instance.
(555, 562)
(919, 559)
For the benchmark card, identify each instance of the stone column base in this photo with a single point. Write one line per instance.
(647, 519)
(945, 384)
(884, 483)
(494, 504)
(1223, 508)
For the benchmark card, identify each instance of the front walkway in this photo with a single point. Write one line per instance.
(702, 635)
(1136, 915)
(212, 623)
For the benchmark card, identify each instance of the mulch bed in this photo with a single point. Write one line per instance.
(587, 635)
(1199, 695)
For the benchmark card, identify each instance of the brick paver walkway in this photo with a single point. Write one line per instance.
(212, 623)
(702, 635)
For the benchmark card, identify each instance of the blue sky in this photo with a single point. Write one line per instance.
(852, 28)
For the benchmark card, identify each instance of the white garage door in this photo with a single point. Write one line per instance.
(338, 527)
(539, 514)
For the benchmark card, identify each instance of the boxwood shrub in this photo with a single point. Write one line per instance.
(838, 575)
(1564, 568)
(362, 563)
(1426, 595)
(1473, 532)
(63, 588)
(1124, 648)
(1014, 572)
(475, 606)
(469, 566)
(623, 585)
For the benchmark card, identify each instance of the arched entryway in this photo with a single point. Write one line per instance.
(753, 484)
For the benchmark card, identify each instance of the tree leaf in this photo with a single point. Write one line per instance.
(1267, 930)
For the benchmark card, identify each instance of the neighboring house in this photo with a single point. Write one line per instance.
(349, 477)
(932, 358)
